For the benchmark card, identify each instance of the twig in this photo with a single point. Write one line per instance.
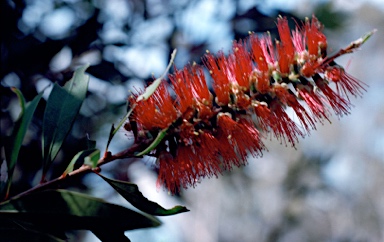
(52, 184)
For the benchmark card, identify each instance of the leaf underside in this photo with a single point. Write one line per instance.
(131, 193)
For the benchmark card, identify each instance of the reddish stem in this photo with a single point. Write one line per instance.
(108, 157)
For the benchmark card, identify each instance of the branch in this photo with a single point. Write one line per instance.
(128, 153)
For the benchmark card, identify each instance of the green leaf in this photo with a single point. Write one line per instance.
(14, 142)
(80, 156)
(63, 105)
(160, 136)
(152, 88)
(111, 134)
(91, 144)
(62, 210)
(92, 159)
(131, 193)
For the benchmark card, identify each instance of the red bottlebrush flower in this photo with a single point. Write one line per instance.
(345, 84)
(218, 68)
(316, 40)
(203, 139)
(157, 112)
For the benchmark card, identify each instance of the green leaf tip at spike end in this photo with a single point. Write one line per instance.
(368, 35)
(63, 106)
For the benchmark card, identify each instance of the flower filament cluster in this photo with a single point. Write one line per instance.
(208, 133)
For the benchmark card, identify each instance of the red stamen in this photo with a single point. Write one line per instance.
(285, 36)
(345, 83)
(218, 67)
(316, 40)
(156, 112)
(258, 54)
(314, 102)
(338, 104)
(289, 99)
(240, 65)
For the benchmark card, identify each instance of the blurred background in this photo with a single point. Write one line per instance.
(330, 188)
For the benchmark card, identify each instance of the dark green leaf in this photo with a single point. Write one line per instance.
(91, 144)
(110, 137)
(110, 236)
(14, 142)
(131, 193)
(65, 210)
(63, 105)
(78, 157)
(21, 234)
(16, 231)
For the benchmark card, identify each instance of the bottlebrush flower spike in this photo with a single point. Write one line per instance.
(252, 86)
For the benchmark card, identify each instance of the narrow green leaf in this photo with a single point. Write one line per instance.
(14, 142)
(62, 210)
(20, 97)
(92, 158)
(111, 134)
(80, 156)
(160, 136)
(63, 105)
(131, 193)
